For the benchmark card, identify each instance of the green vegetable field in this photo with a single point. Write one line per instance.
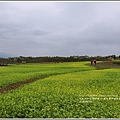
(59, 90)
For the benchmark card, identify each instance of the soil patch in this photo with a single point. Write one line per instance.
(18, 84)
(106, 65)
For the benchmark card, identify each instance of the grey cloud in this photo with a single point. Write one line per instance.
(103, 33)
(37, 31)
(60, 28)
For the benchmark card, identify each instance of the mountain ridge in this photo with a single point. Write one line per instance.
(5, 55)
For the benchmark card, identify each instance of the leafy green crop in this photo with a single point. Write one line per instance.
(16, 73)
(79, 92)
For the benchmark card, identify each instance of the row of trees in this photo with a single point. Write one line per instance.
(56, 59)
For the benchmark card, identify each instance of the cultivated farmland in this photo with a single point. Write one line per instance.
(63, 90)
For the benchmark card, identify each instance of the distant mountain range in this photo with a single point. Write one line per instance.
(5, 55)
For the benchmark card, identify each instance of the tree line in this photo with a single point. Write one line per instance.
(55, 59)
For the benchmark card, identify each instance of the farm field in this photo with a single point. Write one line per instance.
(63, 90)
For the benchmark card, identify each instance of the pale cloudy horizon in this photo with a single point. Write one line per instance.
(60, 28)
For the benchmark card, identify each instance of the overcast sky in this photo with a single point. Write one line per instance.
(60, 28)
